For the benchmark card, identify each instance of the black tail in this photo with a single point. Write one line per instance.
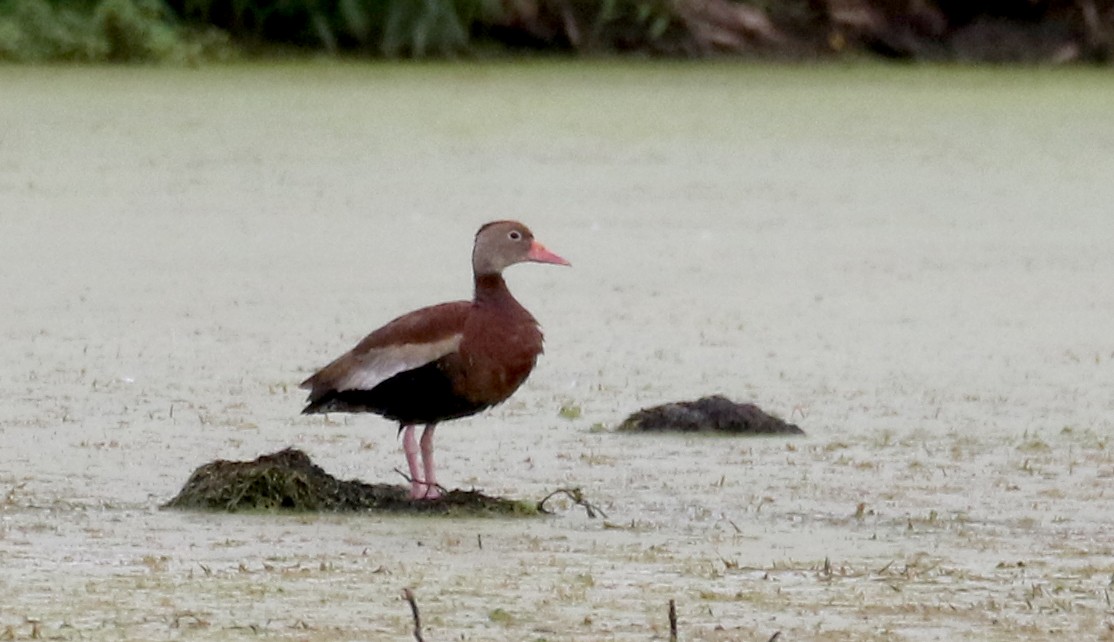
(325, 401)
(340, 401)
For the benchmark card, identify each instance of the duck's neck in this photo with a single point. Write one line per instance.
(491, 289)
(496, 313)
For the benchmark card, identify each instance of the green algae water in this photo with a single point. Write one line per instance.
(910, 263)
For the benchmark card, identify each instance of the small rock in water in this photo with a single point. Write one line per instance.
(713, 414)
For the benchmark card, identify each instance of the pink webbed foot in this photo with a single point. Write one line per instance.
(422, 490)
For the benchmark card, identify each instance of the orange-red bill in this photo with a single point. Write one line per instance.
(539, 254)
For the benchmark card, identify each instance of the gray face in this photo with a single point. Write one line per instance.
(500, 244)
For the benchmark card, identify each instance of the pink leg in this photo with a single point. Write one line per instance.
(410, 447)
(432, 491)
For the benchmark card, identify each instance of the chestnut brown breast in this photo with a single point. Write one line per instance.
(498, 349)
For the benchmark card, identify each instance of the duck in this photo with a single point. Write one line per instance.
(444, 361)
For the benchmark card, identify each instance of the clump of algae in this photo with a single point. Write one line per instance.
(288, 480)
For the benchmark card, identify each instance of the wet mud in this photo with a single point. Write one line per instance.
(715, 413)
(289, 481)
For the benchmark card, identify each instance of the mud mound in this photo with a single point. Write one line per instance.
(289, 480)
(708, 414)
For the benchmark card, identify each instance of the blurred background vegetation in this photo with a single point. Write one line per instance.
(193, 31)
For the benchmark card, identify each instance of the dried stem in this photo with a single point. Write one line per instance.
(672, 621)
(408, 595)
(410, 480)
(577, 497)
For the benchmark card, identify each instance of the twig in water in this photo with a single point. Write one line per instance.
(577, 497)
(774, 637)
(408, 595)
(672, 621)
(410, 480)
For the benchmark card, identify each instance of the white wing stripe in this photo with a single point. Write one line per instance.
(377, 365)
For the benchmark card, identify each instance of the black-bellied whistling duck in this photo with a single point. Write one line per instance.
(444, 361)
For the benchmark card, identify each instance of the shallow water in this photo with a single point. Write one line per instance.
(911, 263)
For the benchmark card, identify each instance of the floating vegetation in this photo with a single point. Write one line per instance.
(570, 411)
(289, 481)
(709, 414)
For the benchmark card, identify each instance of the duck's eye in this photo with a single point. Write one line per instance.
(515, 235)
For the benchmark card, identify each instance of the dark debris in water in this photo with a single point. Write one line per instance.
(289, 481)
(709, 414)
